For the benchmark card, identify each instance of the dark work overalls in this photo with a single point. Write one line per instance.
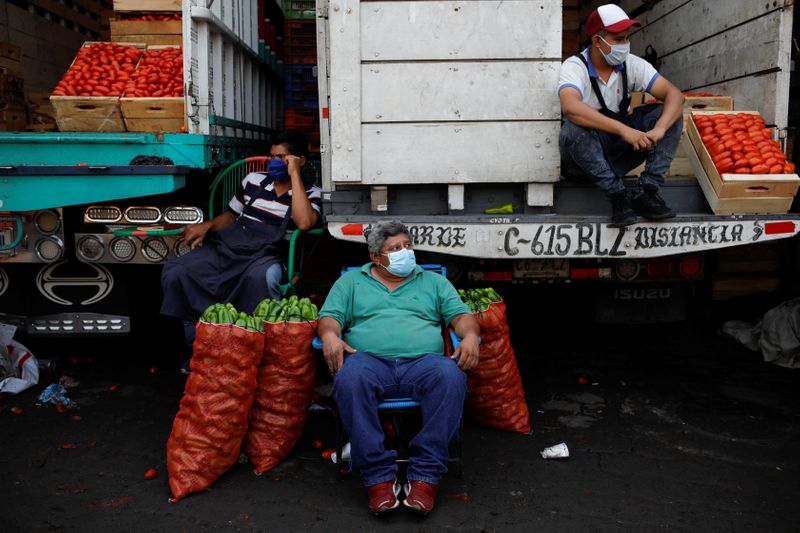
(230, 266)
(606, 157)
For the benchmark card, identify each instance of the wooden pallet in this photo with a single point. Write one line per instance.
(168, 32)
(729, 194)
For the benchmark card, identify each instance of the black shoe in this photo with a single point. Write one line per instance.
(622, 213)
(649, 204)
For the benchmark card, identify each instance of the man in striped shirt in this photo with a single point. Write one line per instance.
(235, 256)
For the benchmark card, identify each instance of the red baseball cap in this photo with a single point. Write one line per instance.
(609, 17)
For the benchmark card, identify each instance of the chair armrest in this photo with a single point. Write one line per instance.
(456, 340)
(290, 260)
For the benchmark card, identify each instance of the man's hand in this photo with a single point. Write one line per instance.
(638, 139)
(467, 353)
(194, 234)
(292, 164)
(333, 348)
(656, 134)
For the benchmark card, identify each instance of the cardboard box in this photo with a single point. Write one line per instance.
(729, 194)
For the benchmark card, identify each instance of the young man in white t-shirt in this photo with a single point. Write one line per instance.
(598, 137)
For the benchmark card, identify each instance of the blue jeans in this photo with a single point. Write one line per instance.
(273, 279)
(582, 154)
(432, 379)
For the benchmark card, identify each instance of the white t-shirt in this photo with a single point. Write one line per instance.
(641, 77)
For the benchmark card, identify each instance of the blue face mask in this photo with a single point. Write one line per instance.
(277, 170)
(401, 262)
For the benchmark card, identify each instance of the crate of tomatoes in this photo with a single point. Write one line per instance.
(744, 169)
(87, 96)
(153, 98)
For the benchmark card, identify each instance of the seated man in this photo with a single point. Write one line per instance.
(390, 313)
(235, 256)
(598, 137)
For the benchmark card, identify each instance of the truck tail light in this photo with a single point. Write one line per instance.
(122, 249)
(91, 248)
(47, 221)
(659, 267)
(49, 249)
(691, 266)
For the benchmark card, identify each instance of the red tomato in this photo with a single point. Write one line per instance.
(76, 418)
(760, 169)
(776, 169)
(788, 168)
(327, 453)
(150, 474)
(316, 443)
(16, 410)
(113, 388)
(68, 446)
(743, 170)
(60, 407)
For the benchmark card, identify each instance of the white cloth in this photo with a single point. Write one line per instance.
(641, 76)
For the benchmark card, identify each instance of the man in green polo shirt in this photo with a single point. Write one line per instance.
(381, 328)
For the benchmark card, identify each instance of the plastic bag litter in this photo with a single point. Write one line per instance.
(21, 370)
(557, 451)
(55, 394)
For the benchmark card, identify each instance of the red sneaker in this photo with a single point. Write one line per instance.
(420, 496)
(383, 496)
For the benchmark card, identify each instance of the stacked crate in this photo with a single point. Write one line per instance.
(151, 22)
(301, 98)
(12, 97)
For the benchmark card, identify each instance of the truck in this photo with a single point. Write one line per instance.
(85, 225)
(436, 112)
(430, 112)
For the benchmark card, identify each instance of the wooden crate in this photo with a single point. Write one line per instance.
(167, 32)
(89, 113)
(156, 114)
(153, 115)
(147, 5)
(729, 194)
(13, 118)
(41, 115)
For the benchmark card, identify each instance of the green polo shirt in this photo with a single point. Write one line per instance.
(406, 322)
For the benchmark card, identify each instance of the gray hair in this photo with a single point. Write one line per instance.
(378, 232)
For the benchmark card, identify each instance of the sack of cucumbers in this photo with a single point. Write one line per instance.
(285, 381)
(211, 423)
(496, 397)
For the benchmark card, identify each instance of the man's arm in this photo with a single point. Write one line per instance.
(673, 107)
(582, 114)
(194, 234)
(333, 347)
(303, 213)
(468, 351)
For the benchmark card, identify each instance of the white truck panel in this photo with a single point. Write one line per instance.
(225, 78)
(472, 152)
(414, 99)
(502, 238)
(740, 49)
(413, 92)
(476, 29)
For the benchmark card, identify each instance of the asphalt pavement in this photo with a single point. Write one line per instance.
(669, 427)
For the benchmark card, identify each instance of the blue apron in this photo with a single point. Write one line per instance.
(230, 266)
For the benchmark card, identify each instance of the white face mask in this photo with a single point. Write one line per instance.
(618, 54)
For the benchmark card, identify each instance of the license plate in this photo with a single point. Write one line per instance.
(541, 268)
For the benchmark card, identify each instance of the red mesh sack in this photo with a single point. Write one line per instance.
(284, 392)
(212, 419)
(496, 397)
